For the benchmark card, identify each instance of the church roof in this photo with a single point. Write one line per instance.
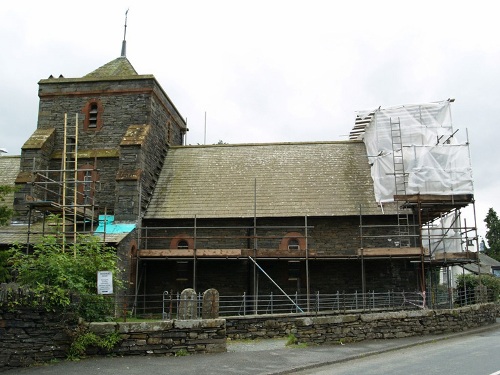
(287, 179)
(119, 67)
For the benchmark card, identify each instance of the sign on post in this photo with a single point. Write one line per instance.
(104, 282)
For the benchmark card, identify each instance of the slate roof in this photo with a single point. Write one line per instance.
(486, 264)
(9, 168)
(289, 179)
(119, 67)
(18, 233)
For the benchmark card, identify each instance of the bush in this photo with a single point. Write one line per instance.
(58, 273)
(470, 283)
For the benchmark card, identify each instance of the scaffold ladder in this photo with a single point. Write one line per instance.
(70, 173)
(400, 181)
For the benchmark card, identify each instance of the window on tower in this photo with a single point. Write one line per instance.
(93, 115)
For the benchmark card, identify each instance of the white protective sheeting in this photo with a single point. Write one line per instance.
(435, 162)
(443, 235)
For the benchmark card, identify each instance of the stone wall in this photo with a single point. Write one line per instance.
(30, 336)
(358, 327)
(326, 276)
(137, 101)
(165, 337)
(35, 336)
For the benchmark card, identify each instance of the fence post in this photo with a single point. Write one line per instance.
(373, 299)
(296, 300)
(356, 299)
(272, 303)
(178, 299)
(244, 303)
(317, 301)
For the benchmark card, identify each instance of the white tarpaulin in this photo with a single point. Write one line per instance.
(443, 235)
(422, 136)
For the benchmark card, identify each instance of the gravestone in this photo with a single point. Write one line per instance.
(210, 306)
(188, 305)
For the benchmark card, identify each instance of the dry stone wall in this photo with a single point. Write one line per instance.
(30, 336)
(167, 337)
(363, 326)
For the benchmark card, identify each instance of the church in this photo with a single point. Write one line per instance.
(108, 156)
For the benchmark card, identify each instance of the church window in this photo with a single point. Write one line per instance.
(182, 242)
(293, 244)
(293, 241)
(93, 115)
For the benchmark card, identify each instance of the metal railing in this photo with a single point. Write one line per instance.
(166, 305)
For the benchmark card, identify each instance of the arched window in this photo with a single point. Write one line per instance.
(293, 244)
(293, 241)
(93, 115)
(87, 182)
(182, 242)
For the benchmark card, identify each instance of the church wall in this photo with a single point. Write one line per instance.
(333, 236)
(235, 276)
(337, 237)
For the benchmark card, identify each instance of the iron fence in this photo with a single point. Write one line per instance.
(166, 305)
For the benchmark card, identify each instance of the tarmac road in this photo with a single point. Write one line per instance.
(256, 357)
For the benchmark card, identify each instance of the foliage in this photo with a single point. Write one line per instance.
(5, 212)
(470, 282)
(4, 266)
(181, 353)
(85, 340)
(492, 234)
(292, 340)
(57, 275)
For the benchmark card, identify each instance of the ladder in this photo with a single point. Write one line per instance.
(70, 175)
(400, 182)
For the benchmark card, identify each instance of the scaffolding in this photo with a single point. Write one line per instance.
(68, 192)
(422, 171)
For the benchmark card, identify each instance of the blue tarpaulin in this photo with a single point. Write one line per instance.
(107, 225)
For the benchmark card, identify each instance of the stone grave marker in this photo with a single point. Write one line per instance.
(188, 305)
(210, 306)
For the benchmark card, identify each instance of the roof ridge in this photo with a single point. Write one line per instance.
(298, 143)
(119, 67)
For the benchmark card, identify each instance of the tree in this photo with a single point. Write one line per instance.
(5, 212)
(492, 234)
(467, 286)
(5, 215)
(57, 275)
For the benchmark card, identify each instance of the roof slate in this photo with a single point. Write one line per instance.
(119, 67)
(288, 179)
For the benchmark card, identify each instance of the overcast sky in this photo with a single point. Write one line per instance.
(269, 71)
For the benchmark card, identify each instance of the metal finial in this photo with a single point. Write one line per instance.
(124, 43)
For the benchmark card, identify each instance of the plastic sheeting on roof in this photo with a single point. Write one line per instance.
(422, 136)
(108, 226)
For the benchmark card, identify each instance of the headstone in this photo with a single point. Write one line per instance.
(188, 305)
(210, 306)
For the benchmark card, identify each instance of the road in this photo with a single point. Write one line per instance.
(466, 355)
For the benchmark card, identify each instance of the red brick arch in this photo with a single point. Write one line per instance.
(174, 243)
(293, 236)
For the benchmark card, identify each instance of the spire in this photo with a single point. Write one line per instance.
(124, 43)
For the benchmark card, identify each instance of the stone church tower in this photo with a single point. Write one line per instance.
(115, 126)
